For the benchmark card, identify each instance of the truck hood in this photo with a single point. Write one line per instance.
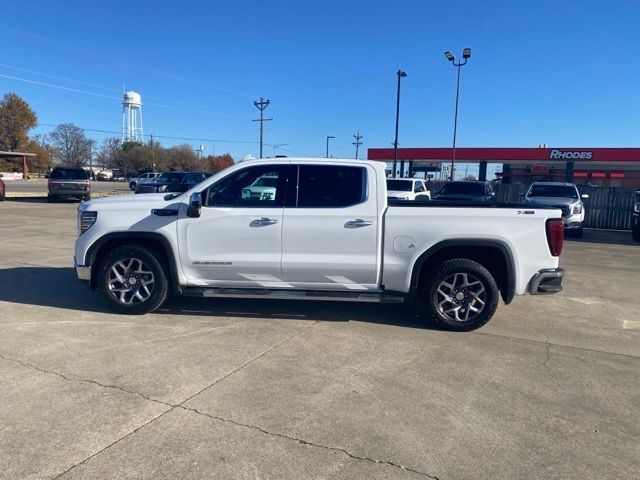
(149, 200)
(553, 201)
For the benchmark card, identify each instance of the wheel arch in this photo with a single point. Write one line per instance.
(154, 241)
(494, 255)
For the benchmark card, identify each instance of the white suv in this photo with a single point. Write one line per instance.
(407, 189)
(141, 179)
(564, 196)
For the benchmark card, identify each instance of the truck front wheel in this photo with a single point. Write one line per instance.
(460, 295)
(132, 280)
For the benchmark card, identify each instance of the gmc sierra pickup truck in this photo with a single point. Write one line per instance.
(326, 231)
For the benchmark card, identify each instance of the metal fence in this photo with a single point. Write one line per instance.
(606, 207)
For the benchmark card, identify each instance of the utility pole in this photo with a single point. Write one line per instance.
(328, 138)
(357, 143)
(153, 155)
(261, 105)
(400, 75)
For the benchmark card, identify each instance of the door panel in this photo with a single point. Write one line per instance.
(237, 240)
(333, 247)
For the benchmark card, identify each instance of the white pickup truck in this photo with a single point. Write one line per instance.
(327, 233)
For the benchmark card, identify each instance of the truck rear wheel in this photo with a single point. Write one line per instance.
(132, 280)
(460, 295)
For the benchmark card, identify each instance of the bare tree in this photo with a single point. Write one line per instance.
(73, 148)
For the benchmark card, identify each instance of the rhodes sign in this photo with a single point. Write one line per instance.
(570, 155)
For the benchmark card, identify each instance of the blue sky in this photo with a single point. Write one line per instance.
(565, 73)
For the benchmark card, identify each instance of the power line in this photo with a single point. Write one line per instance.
(111, 97)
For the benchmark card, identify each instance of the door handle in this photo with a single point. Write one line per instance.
(357, 223)
(259, 222)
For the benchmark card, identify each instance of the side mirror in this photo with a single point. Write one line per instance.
(584, 196)
(195, 205)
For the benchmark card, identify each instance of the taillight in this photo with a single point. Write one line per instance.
(86, 184)
(555, 236)
(49, 183)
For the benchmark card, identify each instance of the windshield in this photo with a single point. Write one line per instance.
(64, 174)
(559, 191)
(170, 177)
(463, 188)
(400, 185)
(266, 182)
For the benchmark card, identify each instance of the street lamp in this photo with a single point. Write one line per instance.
(328, 137)
(466, 54)
(278, 146)
(400, 75)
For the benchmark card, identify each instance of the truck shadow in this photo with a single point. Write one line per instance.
(610, 237)
(57, 287)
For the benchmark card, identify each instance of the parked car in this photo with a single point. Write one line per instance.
(329, 233)
(3, 189)
(263, 188)
(141, 179)
(172, 182)
(407, 189)
(466, 191)
(65, 182)
(635, 226)
(564, 196)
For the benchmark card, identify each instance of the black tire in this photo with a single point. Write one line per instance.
(133, 186)
(86, 198)
(635, 234)
(2, 196)
(157, 292)
(460, 270)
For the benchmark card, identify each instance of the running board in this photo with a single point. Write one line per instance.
(336, 296)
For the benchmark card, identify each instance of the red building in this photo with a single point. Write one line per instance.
(597, 166)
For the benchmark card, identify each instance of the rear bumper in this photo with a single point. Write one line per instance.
(546, 281)
(83, 273)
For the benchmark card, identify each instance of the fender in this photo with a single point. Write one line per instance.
(430, 252)
(174, 281)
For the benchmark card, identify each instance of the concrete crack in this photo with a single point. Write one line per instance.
(311, 444)
(82, 380)
(548, 357)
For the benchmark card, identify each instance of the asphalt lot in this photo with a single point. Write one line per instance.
(34, 187)
(229, 389)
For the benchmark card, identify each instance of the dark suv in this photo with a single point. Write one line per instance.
(67, 182)
(635, 224)
(172, 182)
(466, 191)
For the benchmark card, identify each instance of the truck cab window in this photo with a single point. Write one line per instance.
(249, 187)
(331, 186)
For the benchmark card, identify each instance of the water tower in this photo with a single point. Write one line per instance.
(132, 117)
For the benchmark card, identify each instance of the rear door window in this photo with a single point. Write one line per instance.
(68, 174)
(331, 186)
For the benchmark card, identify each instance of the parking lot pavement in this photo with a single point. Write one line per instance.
(38, 187)
(258, 389)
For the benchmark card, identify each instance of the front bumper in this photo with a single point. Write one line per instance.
(83, 272)
(546, 281)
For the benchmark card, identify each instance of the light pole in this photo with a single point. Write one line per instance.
(328, 138)
(400, 74)
(278, 146)
(466, 54)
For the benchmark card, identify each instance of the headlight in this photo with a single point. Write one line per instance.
(636, 207)
(162, 188)
(86, 220)
(577, 208)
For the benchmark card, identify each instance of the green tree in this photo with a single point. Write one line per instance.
(73, 148)
(16, 119)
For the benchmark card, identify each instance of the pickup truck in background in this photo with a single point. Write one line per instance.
(564, 196)
(328, 233)
(407, 189)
